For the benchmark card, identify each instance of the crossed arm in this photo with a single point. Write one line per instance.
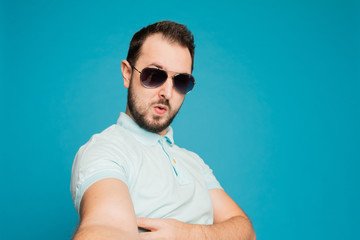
(107, 212)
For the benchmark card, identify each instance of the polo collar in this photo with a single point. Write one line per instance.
(141, 134)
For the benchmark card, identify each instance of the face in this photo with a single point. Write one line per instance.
(154, 109)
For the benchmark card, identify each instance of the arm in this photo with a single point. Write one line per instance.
(107, 212)
(230, 222)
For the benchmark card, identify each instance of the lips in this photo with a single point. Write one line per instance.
(160, 109)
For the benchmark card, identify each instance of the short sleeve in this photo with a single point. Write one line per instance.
(210, 179)
(96, 160)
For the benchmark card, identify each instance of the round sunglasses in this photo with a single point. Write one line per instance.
(151, 77)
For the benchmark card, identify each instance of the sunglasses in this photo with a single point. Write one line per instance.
(155, 77)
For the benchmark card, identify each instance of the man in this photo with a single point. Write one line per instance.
(131, 181)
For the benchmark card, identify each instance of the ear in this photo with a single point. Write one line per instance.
(126, 70)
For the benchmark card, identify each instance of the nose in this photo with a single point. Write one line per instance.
(167, 88)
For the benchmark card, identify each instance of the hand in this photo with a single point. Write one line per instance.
(169, 229)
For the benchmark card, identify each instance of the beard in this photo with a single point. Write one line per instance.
(139, 111)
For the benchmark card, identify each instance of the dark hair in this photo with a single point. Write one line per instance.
(172, 31)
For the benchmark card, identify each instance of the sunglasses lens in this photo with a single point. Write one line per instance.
(153, 77)
(184, 83)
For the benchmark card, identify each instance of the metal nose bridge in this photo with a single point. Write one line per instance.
(170, 75)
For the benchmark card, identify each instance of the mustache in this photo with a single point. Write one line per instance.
(163, 102)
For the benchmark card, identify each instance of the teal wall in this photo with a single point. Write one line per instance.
(275, 111)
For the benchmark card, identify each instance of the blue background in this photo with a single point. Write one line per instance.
(275, 111)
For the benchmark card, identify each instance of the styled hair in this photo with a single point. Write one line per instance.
(171, 31)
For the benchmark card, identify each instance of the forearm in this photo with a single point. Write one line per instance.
(104, 233)
(238, 228)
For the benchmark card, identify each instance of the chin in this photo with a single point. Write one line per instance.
(159, 122)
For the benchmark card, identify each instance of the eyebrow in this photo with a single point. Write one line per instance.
(156, 65)
(161, 67)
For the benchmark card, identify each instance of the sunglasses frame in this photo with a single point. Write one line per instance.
(166, 78)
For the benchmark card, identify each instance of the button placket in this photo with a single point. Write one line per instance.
(171, 160)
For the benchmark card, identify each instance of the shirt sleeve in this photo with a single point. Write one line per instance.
(96, 160)
(207, 172)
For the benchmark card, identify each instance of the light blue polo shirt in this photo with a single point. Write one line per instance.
(164, 180)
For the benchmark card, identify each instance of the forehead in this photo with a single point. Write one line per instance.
(159, 51)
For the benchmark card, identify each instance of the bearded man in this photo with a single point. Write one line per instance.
(132, 181)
